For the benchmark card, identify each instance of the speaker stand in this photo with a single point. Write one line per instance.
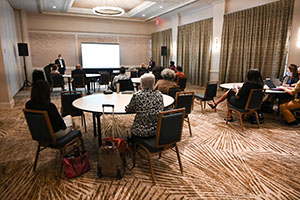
(26, 82)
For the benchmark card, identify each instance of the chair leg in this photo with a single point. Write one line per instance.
(151, 167)
(204, 104)
(63, 151)
(36, 157)
(179, 160)
(159, 154)
(188, 121)
(82, 144)
(257, 119)
(83, 122)
(241, 120)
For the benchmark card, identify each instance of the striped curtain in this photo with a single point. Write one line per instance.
(159, 39)
(256, 38)
(194, 50)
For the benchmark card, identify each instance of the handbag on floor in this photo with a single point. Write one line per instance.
(110, 158)
(76, 165)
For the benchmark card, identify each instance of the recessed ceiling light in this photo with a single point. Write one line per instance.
(160, 7)
(144, 15)
(54, 7)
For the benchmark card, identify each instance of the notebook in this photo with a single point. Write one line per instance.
(272, 86)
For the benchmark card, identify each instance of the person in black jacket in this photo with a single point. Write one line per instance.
(61, 64)
(238, 96)
(40, 100)
(78, 70)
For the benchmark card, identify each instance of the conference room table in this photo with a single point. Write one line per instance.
(93, 104)
(69, 76)
(277, 93)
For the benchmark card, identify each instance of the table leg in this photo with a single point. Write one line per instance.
(94, 125)
(99, 129)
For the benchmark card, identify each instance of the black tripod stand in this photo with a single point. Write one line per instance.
(26, 82)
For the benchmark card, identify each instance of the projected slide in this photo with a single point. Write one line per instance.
(97, 55)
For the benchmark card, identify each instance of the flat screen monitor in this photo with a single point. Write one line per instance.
(100, 55)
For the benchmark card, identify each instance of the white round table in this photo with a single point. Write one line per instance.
(93, 103)
(69, 76)
(136, 80)
(229, 86)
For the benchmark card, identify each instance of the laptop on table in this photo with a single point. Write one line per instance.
(272, 86)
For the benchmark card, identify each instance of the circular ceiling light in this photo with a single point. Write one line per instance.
(108, 11)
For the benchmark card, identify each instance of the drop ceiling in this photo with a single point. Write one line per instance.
(134, 9)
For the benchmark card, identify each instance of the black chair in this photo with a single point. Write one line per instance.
(105, 78)
(185, 100)
(79, 82)
(57, 80)
(181, 82)
(47, 71)
(133, 74)
(253, 104)
(125, 84)
(168, 133)
(171, 91)
(209, 94)
(67, 108)
(41, 131)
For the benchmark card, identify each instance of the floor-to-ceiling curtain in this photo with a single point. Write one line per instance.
(255, 38)
(194, 50)
(159, 39)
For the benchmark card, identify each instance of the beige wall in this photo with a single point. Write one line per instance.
(11, 72)
(53, 34)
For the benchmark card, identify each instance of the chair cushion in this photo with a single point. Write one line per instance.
(199, 96)
(238, 109)
(66, 139)
(149, 143)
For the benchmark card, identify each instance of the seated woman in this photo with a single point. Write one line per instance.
(142, 70)
(238, 97)
(146, 103)
(55, 69)
(292, 76)
(40, 100)
(179, 73)
(286, 108)
(168, 76)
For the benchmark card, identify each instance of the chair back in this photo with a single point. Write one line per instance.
(184, 100)
(255, 99)
(181, 82)
(211, 90)
(78, 80)
(105, 78)
(133, 74)
(172, 91)
(67, 99)
(169, 128)
(57, 80)
(47, 71)
(125, 84)
(39, 125)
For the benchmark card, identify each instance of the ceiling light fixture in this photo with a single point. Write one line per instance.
(108, 11)
(144, 15)
(54, 7)
(160, 7)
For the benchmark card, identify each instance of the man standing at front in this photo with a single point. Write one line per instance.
(61, 64)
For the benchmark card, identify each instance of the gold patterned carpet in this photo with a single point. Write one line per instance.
(219, 161)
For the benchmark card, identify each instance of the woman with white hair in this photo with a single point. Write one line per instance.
(167, 81)
(146, 103)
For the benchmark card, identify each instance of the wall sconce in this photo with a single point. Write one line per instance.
(217, 43)
(298, 41)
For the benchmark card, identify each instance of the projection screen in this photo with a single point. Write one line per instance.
(100, 55)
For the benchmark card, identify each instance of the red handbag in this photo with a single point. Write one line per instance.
(76, 165)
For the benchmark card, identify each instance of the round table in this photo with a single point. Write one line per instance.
(268, 90)
(93, 103)
(136, 80)
(69, 76)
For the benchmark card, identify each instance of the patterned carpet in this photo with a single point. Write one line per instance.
(219, 162)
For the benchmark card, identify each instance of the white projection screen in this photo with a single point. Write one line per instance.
(100, 55)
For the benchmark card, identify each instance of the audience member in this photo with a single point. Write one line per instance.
(156, 71)
(286, 108)
(78, 70)
(40, 100)
(121, 76)
(172, 66)
(291, 77)
(146, 103)
(238, 97)
(168, 76)
(61, 64)
(54, 69)
(179, 73)
(142, 70)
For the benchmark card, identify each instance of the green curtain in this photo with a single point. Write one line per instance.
(255, 38)
(159, 39)
(194, 43)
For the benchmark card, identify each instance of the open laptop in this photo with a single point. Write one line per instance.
(272, 86)
(276, 81)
